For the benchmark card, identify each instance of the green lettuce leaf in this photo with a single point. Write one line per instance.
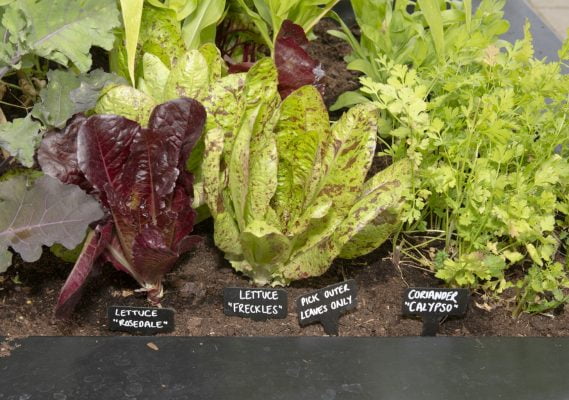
(287, 189)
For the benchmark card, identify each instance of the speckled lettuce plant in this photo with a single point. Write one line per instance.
(288, 190)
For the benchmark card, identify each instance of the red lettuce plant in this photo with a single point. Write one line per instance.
(138, 175)
(296, 68)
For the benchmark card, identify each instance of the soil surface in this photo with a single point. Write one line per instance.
(28, 292)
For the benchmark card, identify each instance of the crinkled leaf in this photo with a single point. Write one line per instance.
(303, 125)
(20, 138)
(95, 244)
(141, 173)
(189, 77)
(57, 154)
(126, 101)
(103, 147)
(63, 31)
(183, 121)
(43, 213)
(183, 8)
(296, 67)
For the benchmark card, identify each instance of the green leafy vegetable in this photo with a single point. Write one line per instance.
(487, 132)
(191, 75)
(422, 34)
(287, 191)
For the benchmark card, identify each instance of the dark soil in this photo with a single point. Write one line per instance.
(28, 292)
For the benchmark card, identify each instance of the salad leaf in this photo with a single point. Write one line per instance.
(287, 190)
(139, 177)
(42, 212)
(295, 66)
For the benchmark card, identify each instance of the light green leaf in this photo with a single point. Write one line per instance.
(183, 8)
(206, 14)
(227, 236)
(128, 102)
(261, 83)
(303, 125)
(216, 65)
(224, 105)
(131, 16)
(20, 138)
(211, 170)
(64, 31)
(264, 245)
(263, 162)
(155, 76)
(349, 99)
(432, 11)
(160, 34)
(189, 77)
(309, 261)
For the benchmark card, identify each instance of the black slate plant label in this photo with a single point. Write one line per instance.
(433, 304)
(258, 304)
(327, 305)
(144, 320)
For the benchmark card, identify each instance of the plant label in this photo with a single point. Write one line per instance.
(433, 304)
(144, 320)
(258, 304)
(327, 305)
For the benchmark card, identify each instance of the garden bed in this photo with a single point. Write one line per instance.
(28, 292)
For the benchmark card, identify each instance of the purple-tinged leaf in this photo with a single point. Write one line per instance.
(295, 66)
(153, 258)
(57, 154)
(43, 212)
(240, 67)
(95, 244)
(140, 174)
(181, 121)
(103, 146)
